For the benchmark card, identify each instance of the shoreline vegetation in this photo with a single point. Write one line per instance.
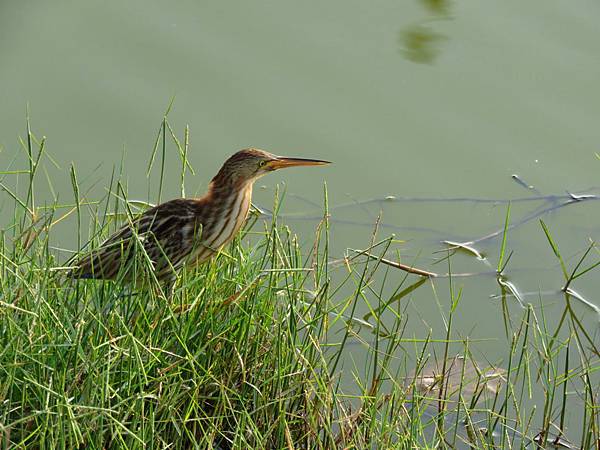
(256, 348)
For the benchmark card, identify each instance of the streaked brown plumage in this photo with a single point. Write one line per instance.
(187, 231)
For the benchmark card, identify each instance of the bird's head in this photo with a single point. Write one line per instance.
(247, 165)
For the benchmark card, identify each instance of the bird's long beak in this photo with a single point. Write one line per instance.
(283, 161)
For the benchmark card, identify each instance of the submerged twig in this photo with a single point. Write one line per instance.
(397, 265)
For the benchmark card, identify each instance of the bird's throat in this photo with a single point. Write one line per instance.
(230, 211)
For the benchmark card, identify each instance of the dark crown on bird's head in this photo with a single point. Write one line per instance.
(249, 156)
(244, 166)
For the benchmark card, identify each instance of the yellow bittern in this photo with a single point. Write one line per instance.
(187, 231)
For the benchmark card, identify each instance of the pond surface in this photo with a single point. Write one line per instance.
(415, 102)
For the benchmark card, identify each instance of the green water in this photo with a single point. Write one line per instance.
(505, 87)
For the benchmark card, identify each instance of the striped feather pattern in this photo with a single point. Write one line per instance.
(171, 235)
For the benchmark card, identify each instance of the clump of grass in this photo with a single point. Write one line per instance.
(255, 349)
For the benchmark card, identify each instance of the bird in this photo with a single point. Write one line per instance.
(185, 232)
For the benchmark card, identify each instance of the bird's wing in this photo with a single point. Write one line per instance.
(162, 237)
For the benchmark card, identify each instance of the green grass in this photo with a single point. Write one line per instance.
(265, 347)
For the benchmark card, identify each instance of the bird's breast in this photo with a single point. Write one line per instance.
(220, 227)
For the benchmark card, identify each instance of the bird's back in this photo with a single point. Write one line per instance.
(168, 236)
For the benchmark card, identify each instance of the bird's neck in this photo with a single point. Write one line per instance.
(223, 196)
(228, 207)
(223, 187)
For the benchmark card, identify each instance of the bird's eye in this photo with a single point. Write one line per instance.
(262, 163)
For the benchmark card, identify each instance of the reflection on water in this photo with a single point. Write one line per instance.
(475, 382)
(456, 383)
(439, 7)
(420, 42)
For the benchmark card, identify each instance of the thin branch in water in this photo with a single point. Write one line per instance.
(406, 268)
